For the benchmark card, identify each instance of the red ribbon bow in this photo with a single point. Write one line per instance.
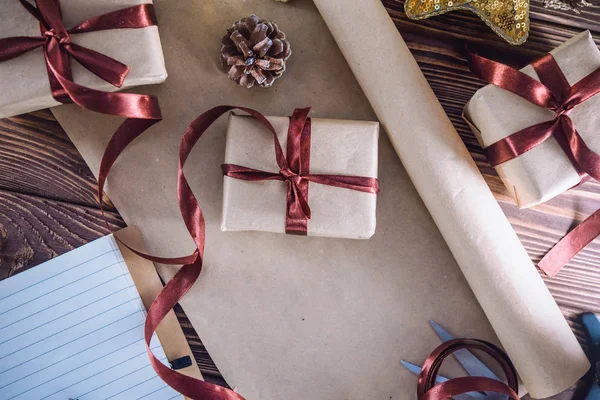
(141, 111)
(554, 93)
(295, 171)
(426, 389)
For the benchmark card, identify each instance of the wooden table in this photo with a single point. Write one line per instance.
(47, 193)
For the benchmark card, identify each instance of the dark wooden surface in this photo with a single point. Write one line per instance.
(47, 193)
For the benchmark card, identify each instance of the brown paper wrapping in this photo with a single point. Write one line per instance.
(25, 86)
(516, 301)
(287, 317)
(337, 148)
(545, 171)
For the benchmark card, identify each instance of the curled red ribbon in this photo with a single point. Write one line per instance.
(291, 171)
(426, 389)
(553, 93)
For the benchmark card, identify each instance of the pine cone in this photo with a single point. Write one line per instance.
(254, 51)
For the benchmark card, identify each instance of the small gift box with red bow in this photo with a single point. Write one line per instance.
(115, 44)
(540, 127)
(319, 181)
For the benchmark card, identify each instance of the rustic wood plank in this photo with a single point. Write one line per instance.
(35, 229)
(37, 157)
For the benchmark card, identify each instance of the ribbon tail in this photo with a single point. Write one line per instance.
(510, 79)
(579, 153)
(584, 89)
(166, 299)
(49, 13)
(519, 142)
(298, 145)
(248, 174)
(298, 212)
(140, 16)
(357, 183)
(15, 46)
(104, 67)
(298, 207)
(185, 278)
(570, 245)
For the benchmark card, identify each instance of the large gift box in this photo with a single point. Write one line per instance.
(546, 170)
(336, 147)
(25, 79)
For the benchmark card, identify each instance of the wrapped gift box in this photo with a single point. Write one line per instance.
(25, 85)
(337, 147)
(545, 171)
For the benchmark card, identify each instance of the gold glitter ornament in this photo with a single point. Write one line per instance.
(508, 18)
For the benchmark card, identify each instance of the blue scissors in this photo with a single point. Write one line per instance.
(472, 365)
(592, 326)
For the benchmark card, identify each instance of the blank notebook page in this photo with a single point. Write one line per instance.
(73, 328)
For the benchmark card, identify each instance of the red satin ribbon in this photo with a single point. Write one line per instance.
(192, 215)
(554, 93)
(295, 171)
(426, 389)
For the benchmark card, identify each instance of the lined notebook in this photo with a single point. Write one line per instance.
(73, 328)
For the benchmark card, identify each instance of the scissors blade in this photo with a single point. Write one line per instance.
(473, 365)
(415, 369)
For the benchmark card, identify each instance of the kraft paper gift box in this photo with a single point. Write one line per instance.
(545, 171)
(25, 85)
(338, 147)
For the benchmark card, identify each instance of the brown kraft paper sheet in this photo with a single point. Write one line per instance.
(308, 317)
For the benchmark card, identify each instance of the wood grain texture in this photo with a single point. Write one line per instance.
(47, 194)
(48, 205)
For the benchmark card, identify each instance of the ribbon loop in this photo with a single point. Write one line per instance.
(52, 19)
(62, 37)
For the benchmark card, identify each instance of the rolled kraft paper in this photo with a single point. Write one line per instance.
(507, 285)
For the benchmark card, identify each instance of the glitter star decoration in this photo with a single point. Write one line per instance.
(508, 18)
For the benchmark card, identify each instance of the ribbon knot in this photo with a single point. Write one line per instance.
(288, 174)
(562, 111)
(62, 37)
